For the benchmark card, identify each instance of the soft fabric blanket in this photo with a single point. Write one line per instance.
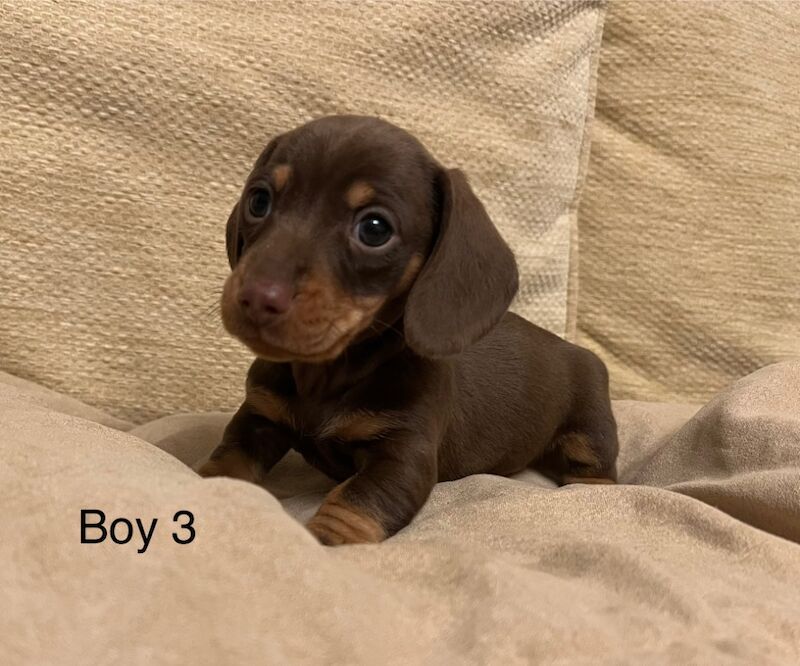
(693, 559)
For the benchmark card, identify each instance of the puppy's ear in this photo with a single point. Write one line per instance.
(234, 241)
(469, 280)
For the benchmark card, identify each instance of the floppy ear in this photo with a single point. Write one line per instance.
(234, 243)
(469, 280)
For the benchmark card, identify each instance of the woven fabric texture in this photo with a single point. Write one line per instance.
(689, 233)
(127, 129)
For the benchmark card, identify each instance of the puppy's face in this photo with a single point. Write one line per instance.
(346, 225)
(333, 226)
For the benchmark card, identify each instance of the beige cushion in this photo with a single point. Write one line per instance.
(128, 129)
(689, 229)
(699, 566)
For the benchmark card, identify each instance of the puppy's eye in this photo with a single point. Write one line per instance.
(374, 230)
(260, 202)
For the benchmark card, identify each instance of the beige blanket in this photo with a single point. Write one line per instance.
(695, 559)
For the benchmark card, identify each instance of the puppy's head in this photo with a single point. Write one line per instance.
(346, 225)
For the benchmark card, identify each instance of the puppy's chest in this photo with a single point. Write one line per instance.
(334, 420)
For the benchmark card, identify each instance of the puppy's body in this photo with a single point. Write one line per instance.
(391, 364)
(545, 393)
(495, 408)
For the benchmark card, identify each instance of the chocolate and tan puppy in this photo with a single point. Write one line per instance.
(373, 288)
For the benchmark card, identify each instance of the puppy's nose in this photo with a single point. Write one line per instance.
(265, 300)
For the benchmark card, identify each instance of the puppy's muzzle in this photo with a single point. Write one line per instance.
(264, 302)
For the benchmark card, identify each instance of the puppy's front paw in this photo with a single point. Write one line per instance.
(337, 523)
(209, 468)
(234, 464)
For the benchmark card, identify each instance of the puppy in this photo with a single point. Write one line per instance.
(373, 288)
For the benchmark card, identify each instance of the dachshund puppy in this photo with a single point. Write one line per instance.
(373, 288)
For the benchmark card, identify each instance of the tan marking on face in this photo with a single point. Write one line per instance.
(269, 405)
(323, 321)
(587, 479)
(359, 425)
(280, 175)
(413, 268)
(577, 448)
(327, 317)
(338, 522)
(233, 463)
(359, 194)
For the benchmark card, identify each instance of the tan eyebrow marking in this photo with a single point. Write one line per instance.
(280, 174)
(359, 194)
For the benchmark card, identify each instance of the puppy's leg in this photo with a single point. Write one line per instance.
(585, 450)
(394, 480)
(587, 457)
(251, 446)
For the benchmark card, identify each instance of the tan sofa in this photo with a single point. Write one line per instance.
(688, 223)
(671, 250)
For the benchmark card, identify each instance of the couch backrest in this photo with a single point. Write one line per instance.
(689, 230)
(126, 130)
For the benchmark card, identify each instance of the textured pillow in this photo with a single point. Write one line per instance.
(690, 239)
(128, 128)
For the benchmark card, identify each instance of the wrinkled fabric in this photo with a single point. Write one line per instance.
(694, 558)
